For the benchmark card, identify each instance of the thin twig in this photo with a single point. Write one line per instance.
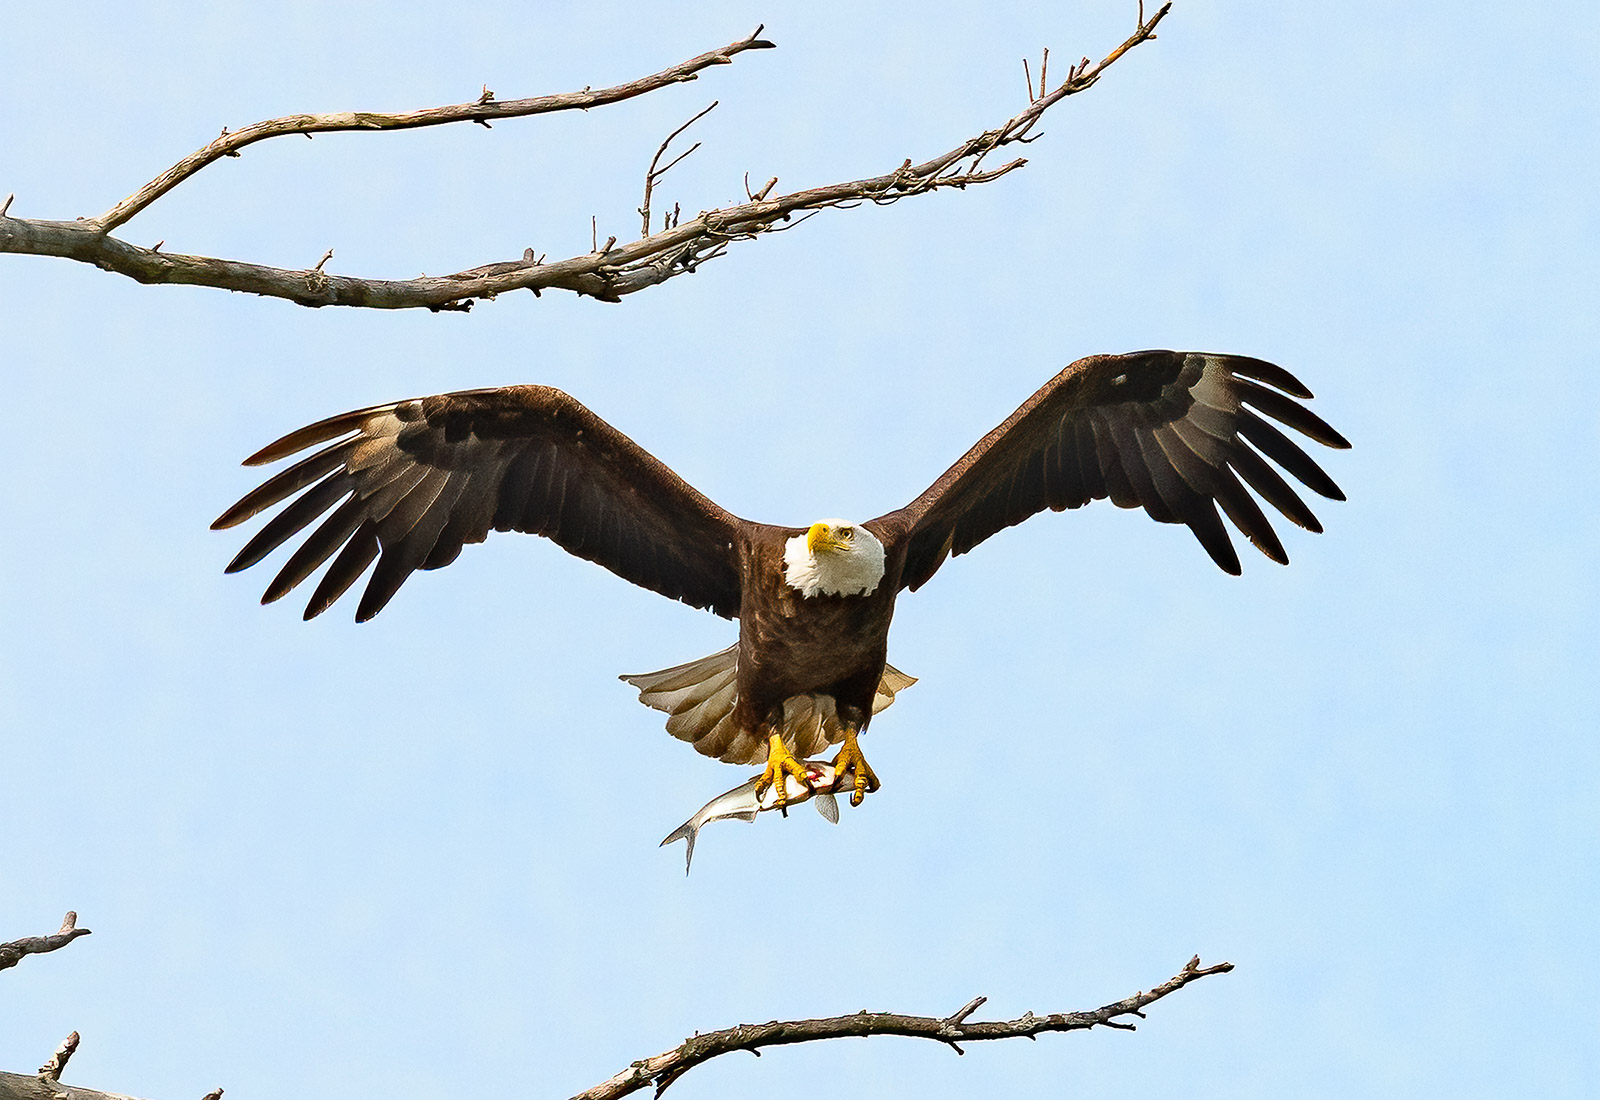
(480, 110)
(11, 953)
(663, 1069)
(653, 174)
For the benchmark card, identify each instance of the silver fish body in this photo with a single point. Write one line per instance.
(741, 803)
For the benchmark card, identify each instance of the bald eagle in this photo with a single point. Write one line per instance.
(408, 484)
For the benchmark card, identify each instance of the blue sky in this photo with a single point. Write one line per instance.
(322, 859)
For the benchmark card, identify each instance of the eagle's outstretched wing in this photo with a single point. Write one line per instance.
(411, 482)
(1173, 432)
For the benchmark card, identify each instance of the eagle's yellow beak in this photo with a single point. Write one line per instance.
(820, 537)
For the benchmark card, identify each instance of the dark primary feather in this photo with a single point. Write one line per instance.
(408, 484)
(1177, 433)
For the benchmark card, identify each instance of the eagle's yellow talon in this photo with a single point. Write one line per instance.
(866, 781)
(781, 763)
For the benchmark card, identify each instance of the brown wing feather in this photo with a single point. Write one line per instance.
(409, 483)
(1172, 432)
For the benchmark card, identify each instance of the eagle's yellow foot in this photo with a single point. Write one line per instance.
(781, 763)
(850, 757)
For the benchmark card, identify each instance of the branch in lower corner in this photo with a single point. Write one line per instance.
(664, 1069)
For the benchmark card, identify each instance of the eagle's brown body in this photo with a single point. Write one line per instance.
(409, 484)
(792, 645)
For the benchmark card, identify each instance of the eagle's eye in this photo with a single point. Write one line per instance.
(847, 533)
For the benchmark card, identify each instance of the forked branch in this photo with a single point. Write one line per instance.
(653, 174)
(11, 953)
(607, 274)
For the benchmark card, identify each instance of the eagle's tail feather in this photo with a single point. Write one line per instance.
(699, 697)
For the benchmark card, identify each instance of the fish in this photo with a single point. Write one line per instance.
(741, 803)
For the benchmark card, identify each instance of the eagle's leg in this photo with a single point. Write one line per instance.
(781, 763)
(850, 757)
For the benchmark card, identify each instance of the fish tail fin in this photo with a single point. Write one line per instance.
(685, 832)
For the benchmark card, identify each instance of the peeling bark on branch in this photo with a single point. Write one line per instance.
(11, 953)
(606, 274)
(17, 1086)
(51, 1070)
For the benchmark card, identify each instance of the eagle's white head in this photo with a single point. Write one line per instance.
(835, 558)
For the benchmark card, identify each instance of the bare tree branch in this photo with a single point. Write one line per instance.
(11, 953)
(664, 1069)
(17, 1086)
(480, 110)
(606, 274)
(46, 1084)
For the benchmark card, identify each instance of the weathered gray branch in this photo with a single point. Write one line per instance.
(17, 1086)
(664, 1069)
(484, 108)
(11, 953)
(606, 274)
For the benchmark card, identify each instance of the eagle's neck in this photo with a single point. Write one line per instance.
(828, 564)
